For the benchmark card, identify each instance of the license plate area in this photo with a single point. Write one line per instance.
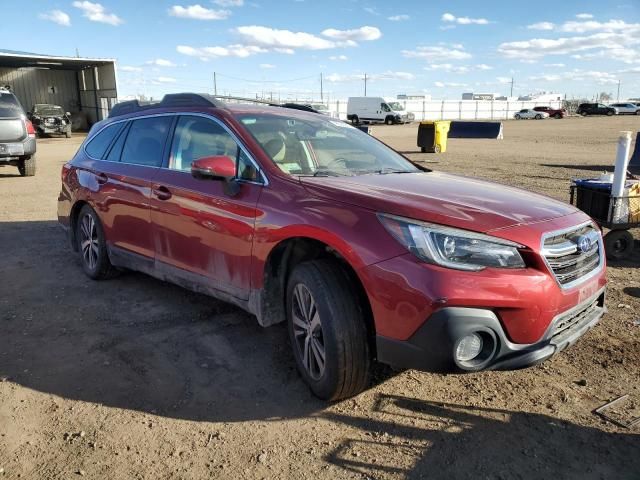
(11, 149)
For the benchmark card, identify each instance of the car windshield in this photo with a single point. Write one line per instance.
(9, 106)
(319, 107)
(48, 110)
(318, 147)
(395, 106)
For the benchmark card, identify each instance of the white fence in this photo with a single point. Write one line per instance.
(455, 109)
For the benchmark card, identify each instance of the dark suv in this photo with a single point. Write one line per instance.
(300, 218)
(595, 109)
(50, 119)
(17, 136)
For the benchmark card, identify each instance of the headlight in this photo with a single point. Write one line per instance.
(453, 248)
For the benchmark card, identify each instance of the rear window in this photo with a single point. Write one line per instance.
(98, 145)
(9, 105)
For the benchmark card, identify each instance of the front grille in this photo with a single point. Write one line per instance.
(565, 323)
(567, 255)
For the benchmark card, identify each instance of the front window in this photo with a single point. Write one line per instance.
(48, 110)
(314, 146)
(395, 106)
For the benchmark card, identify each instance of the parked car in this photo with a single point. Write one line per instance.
(552, 112)
(50, 119)
(376, 110)
(17, 136)
(367, 256)
(626, 108)
(527, 114)
(585, 109)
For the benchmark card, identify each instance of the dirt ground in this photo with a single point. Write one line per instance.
(137, 379)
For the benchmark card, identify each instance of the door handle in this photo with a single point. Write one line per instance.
(101, 178)
(161, 192)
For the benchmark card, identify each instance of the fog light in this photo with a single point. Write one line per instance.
(469, 347)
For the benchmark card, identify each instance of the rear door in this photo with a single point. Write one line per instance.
(12, 125)
(202, 234)
(123, 175)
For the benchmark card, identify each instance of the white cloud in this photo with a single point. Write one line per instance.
(338, 57)
(161, 62)
(398, 18)
(584, 16)
(57, 16)
(229, 3)
(97, 13)
(267, 66)
(438, 53)
(594, 76)
(208, 53)
(447, 67)
(284, 41)
(450, 18)
(128, 68)
(449, 84)
(503, 80)
(554, 65)
(484, 66)
(198, 12)
(166, 80)
(388, 75)
(541, 26)
(365, 33)
(592, 25)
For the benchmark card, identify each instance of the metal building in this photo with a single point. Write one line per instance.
(87, 85)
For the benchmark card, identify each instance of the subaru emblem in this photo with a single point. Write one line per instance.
(584, 243)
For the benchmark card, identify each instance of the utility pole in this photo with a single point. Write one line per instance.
(365, 84)
(215, 84)
(511, 94)
(321, 92)
(618, 97)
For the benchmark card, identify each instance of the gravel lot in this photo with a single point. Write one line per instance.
(135, 378)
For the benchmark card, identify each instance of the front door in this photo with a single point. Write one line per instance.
(201, 233)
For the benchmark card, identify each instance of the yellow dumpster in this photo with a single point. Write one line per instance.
(432, 136)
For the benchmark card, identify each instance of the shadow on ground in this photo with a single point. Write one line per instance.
(419, 439)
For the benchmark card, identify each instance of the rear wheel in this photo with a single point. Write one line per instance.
(389, 121)
(618, 244)
(327, 330)
(355, 120)
(92, 246)
(517, 117)
(538, 117)
(609, 113)
(557, 115)
(27, 166)
(584, 114)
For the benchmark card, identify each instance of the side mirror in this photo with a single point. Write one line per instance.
(218, 167)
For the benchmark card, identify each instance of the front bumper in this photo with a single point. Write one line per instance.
(432, 346)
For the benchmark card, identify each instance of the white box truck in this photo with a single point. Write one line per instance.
(376, 110)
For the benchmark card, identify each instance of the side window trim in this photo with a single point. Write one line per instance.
(263, 182)
(109, 146)
(124, 131)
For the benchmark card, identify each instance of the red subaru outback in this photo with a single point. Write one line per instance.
(295, 216)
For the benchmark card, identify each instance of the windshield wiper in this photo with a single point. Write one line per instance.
(326, 173)
(384, 171)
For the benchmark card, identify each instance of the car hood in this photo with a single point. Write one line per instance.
(441, 198)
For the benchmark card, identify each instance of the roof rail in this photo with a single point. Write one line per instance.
(168, 101)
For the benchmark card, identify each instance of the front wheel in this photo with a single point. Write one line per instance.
(327, 330)
(557, 115)
(93, 246)
(618, 244)
(517, 117)
(609, 113)
(389, 121)
(355, 120)
(538, 117)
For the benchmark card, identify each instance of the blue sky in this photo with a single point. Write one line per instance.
(414, 47)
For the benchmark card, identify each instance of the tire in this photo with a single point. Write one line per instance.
(27, 166)
(67, 133)
(517, 117)
(389, 121)
(423, 149)
(339, 330)
(584, 114)
(538, 117)
(93, 256)
(436, 149)
(618, 244)
(637, 112)
(609, 113)
(355, 120)
(557, 116)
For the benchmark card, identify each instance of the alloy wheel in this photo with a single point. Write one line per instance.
(307, 330)
(89, 241)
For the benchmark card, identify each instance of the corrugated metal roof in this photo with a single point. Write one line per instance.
(18, 59)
